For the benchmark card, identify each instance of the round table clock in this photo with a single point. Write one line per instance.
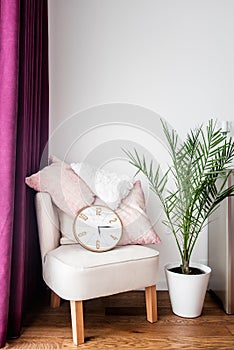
(97, 228)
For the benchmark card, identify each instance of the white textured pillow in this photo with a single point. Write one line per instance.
(110, 187)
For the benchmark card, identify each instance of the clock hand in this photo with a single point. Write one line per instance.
(104, 226)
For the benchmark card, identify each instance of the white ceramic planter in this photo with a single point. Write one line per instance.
(187, 292)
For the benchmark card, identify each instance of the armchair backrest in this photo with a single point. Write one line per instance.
(48, 223)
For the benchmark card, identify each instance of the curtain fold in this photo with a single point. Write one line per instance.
(23, 134)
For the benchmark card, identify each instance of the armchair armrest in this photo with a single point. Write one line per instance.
(48, 223)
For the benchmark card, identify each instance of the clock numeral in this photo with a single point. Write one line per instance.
(114, 237)
(81, 234)
(98, 211)
(112, 220)
(97, 244)
(83, 216)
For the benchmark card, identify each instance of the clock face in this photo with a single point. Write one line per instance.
(97, 228)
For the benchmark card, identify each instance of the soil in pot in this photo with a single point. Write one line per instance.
(192, 270)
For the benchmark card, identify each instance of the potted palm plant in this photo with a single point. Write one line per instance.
(200, 167)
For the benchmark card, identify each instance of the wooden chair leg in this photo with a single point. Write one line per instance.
(54, 300)
(77, 321)
(151, 304)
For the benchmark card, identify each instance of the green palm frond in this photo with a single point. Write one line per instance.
(200, 171)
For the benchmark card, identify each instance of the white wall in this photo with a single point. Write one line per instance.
(173, 57)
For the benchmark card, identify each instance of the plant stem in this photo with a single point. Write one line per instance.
(185, 263)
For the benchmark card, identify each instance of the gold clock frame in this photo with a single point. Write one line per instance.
(85, 246)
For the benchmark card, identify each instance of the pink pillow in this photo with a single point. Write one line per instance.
(68, 191)
(137, 228)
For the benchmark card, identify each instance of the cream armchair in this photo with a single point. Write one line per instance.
(76, 274)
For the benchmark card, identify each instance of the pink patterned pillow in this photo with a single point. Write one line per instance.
(68, 191)
(137, 228)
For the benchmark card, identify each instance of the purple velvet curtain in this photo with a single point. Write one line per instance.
(23, 136)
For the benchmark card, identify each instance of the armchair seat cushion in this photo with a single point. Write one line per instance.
(75, 273)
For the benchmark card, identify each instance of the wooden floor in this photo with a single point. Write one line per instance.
(118, 322)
